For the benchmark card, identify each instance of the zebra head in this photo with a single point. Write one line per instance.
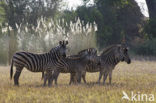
(62, 48)
(122, 53)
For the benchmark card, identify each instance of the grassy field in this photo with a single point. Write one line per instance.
(139, 76)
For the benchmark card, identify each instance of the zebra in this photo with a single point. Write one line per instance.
(107, 61)
(92, 66)
(38, 62)
(75, 66)
(110, 57)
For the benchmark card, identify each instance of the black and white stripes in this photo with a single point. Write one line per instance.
(55, 61)
(110, 57)
(75, 65)
(38, 62)
(107, 61)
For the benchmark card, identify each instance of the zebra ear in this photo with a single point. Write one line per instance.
(60, 42)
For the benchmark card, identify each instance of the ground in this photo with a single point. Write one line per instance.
(138, 77)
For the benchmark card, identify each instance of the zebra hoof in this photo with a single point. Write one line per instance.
(103, 84)
(49, 85)
(16, 85)
(44, 85)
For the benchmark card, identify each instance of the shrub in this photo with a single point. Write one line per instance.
(148, 48)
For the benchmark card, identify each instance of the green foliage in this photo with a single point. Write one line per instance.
(148, 48)
(114, 19)
(29, 11)
(2, 16)
(3, 50)
(2, 12)
(150, 28)
(3, 57)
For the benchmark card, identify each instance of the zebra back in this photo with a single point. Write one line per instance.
(40, 62)
(113, 54)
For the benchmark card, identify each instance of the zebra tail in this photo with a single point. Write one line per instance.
(11, 70)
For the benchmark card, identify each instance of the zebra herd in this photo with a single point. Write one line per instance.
(55, 62)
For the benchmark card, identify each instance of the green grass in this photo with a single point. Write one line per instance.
(139, 76)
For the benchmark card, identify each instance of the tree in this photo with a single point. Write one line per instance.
(151, 4)
(28, 12)
(114, 19)
(2, 13)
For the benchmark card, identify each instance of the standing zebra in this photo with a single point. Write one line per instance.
(38, 62)
(110, 57)
(75, 66)
(92, 66)
(107, 61)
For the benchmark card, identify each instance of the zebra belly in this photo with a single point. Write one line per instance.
(63, 70)
(92, 69)
(34, 70)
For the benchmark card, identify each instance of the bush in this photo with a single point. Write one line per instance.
(148, 48)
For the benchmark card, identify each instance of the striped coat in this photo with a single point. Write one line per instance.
(38, 62)
(75, 66)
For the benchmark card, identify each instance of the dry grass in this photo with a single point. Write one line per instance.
(138, 76)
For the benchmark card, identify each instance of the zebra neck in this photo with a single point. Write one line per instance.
(55, 56)
(111, 60)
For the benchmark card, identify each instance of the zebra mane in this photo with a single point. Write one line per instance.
(109, 49)
(80, 52)
(53, 50)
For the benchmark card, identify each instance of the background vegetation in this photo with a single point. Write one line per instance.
(37, 26)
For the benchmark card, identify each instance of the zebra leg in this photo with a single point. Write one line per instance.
(72, 76)
(105, 77)
(45, 79)
(70, 79)
(84, 77)
(100, 76)
(50, 80)
(79, 77)
(56, 77)
(16, 76)
(110, 77)
(42, 75)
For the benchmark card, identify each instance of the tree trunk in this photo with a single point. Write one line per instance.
(151, 4)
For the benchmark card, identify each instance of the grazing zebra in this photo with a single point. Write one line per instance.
(75, 66)
(110, 57)
(38, 62)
